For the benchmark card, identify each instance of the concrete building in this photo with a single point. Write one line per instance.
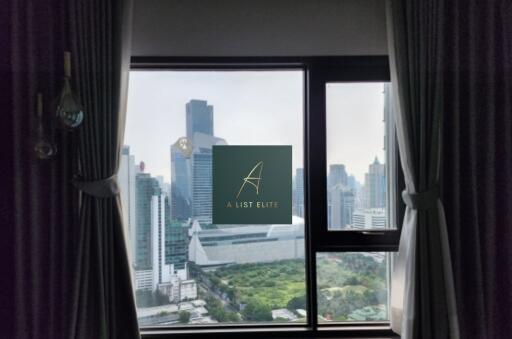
(161, 246)
(181, 184)
(126, 180)
(176, 243)
(337, 176)
(144, 280)
(146, 188)
(298, 198)
(199, 118)
(202, 176)
(188, 289)
(371, 218)
(340, 207)
(375, 185)
(178, 289)
(283, 314)
(161, 271)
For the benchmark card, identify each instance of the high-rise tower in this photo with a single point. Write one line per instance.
(299, 192)
(126, 179)
(375, 185)
(202, 176)
(337, 175)
(181, 185)
(199, 118)
(147, 188)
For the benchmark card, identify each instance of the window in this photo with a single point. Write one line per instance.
(192, 274)
(352, 286)
(357, 117)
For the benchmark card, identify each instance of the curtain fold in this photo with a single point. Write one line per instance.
(477, 159)
(103, 303)
(42, 208)
(423, 299)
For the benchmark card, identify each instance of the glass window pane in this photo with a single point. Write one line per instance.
(187, 270)
(352, 286)
(359, 122)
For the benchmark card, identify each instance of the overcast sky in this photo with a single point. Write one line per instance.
(251, 108)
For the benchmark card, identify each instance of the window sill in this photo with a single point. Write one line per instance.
(353, 332)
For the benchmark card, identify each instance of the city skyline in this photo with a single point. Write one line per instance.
(173, 239)
(274, 102)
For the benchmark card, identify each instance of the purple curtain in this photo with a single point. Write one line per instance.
(67, 277)
(41, 212)
(477, 170)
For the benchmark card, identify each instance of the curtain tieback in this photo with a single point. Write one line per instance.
(422, 200)
(103, 188)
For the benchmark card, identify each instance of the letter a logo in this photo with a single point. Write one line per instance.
(252, 178)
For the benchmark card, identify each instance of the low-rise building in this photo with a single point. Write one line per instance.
(283, 314)
(178, 289)
(246, 244)
(188, 289)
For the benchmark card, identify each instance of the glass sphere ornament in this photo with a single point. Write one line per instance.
(45, 149)
(69, 111)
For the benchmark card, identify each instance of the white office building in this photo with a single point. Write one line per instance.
(144, 280)
(178, 289)
(370, 218)
(188, 289)
(340, 207)
(161, 271)
(126, 180)
(246, 244)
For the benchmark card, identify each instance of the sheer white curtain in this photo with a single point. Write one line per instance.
(423, 299)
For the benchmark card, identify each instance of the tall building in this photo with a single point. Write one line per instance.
(375, 185)
(202, 184)
(126, 180)
(299, 192)
(340, 207)
(176, 243)
(181, 182)
(146, 188)
(389, 126)
(352, 183)
(391, 151)
(191, 178)
(337, 175)
(161, 271)
(199, 118)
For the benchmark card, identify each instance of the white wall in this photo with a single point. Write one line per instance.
(259, 27)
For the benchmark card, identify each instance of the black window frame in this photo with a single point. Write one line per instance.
(318, 71)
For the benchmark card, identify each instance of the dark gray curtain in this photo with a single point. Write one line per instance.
(477, 162)
(102, 305)
(423, 299)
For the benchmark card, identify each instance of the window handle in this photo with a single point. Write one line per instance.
(373, 232)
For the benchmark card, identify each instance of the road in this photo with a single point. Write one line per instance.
(208, 291)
